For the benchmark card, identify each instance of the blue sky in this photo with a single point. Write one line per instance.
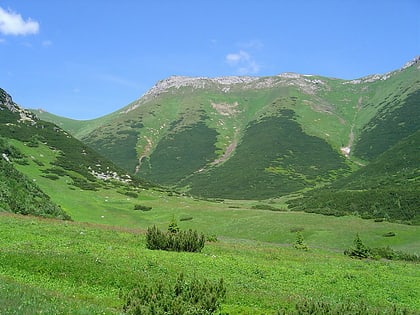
(84, 59)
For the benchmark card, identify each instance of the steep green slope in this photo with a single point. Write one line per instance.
(387, 188)
(20, 195)
(275, 157)
(391, 124)
(36, 148)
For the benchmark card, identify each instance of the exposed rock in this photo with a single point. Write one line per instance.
(416, 60)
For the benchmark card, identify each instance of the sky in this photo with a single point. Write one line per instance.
(84, 59)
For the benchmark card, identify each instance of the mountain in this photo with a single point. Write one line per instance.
(257, 137)
(41, 147)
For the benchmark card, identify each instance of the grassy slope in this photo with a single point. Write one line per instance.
(96, 265)
(77, 128)
(386, 188)
(230, 219)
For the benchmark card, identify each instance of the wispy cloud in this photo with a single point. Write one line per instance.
(12, 23)
(118, 80)
(47, 43)
(243, 62)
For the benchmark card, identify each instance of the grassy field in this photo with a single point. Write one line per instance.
(54, 266)
(88, 266)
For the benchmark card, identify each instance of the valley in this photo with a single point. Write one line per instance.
(259, 165)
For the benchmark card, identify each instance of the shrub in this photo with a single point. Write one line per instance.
(195, 297)
(266, 207)
(212, 238)
(179, 241)
(300, 242)
(173, 226)
(308, 306)
(131, 194)
(389, 234)
(51, 176)
(358, 250)
(142, 208)
(187, 218)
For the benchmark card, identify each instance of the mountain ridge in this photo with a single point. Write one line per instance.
(161, 128)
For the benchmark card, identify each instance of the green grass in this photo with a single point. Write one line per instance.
(97, 265)
(229, 219)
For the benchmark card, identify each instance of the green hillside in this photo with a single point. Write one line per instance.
(388, 188)
(17, 193)
(275, 157)
(40, 148)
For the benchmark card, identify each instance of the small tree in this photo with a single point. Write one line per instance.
(173, 226)
(300, 242)
(358, 250)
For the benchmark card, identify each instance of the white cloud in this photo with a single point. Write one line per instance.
(46, 43)
(243, 62)
(12, 23)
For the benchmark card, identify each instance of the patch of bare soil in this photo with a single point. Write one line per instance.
(226, 109)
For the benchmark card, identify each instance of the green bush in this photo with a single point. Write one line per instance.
(142, 208)
(358, 250)
(179, 241)
(300, 242)
(186, 218)
(389, 234)
(306, 307)
(195, 297)
(51, 176)
(132, 194)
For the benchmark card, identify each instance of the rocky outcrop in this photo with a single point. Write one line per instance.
(7, 102)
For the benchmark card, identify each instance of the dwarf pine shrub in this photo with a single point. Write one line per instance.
(195, 297)
(300, 242)
(358, 250)
(174, 240)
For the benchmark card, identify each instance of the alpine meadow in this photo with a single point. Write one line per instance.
(286, 194)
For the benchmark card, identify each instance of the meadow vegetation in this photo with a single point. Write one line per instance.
(95, 267)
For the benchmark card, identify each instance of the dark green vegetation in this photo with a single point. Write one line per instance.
(388, 188)
(274, 157)
(195, 297)
(361, 251)
(174, 240)
(180, 154)
(80, 163)
(20, 195)
(389, 126)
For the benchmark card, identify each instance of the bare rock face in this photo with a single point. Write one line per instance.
(7, 102)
